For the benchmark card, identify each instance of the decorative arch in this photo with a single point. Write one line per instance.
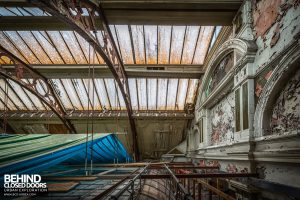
(280, 76)
(243, 50)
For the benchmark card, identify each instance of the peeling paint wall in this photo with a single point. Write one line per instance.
(272, 79)
(275, 23)
(286, 111)
(222, 120)
(261, 80)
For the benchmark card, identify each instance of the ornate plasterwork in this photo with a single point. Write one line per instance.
(220, 72)
(262, 114)
(245, 49)
(245, 29)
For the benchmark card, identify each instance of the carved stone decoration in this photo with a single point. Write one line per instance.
(268, 93)
(35, 78)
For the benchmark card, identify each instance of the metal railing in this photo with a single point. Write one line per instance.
(130, 186)
(180, 191)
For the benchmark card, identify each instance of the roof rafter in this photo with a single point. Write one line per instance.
(108, 51)
(49, 98)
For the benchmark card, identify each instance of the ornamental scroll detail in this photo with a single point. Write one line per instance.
(33, 81)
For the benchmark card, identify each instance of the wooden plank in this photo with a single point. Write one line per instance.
(61, 187)
(215, 190)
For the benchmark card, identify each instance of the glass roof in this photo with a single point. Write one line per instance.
(77, 94)
(137, 45)
(151, 45)
(22, 11)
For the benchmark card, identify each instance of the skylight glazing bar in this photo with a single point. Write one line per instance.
(9, 101)
(16, 94)
(82, 52)
(53, 45)
(67, 47)
(106, 92)
(49, 57)
(33, 53)
(62, 86)
(15, 46)
(132, 46)
(97, 94)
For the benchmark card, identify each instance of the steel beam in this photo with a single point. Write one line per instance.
(71, 13)
(48, 97)
(161, 176)
(207, 175)
(185, 167)
(136, 12)
(55, 71)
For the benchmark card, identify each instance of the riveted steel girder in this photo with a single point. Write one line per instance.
(81, 15)
(47, 96)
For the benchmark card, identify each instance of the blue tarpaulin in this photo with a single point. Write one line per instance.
(43, 151)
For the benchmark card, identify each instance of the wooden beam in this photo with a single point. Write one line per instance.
(61, 187)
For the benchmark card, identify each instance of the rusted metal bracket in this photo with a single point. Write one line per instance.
(47, 95)
(80, 15)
